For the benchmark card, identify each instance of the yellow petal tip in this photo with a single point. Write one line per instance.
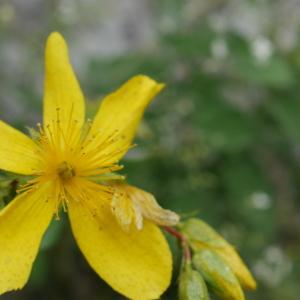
(54, 38)
(144, 79)
(56, 47)
(250, 283)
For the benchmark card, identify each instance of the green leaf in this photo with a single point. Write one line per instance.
(224, 128)
(275, 72)
(194, 44)
(286, 111)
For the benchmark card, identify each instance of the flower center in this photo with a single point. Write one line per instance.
(65, 171)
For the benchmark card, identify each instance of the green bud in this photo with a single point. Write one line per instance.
(192, 285)
(202, 236)
(218, 275)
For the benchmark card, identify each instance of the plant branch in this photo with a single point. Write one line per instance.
(182, 240)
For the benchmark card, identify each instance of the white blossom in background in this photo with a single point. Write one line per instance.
(262, 49)
(261, 200)
(273, 267)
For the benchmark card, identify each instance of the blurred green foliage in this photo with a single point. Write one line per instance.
(222, 142)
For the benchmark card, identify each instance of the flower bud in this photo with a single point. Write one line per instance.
(191, 284)
(202, 236)
(218, 275)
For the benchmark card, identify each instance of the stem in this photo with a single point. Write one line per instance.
(182, 240)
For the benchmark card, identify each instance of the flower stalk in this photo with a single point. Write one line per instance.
(182, 240)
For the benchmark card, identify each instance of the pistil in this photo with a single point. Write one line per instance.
(66, 171)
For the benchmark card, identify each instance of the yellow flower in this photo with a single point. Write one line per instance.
(71, 164)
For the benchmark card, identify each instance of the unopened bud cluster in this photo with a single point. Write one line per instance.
(214, 262)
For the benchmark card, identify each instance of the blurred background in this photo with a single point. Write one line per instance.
(222, 142)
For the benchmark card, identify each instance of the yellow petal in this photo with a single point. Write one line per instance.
(22, 225)
(150, 209)
(122, 208)
(121, 112)
(137, 264)
(131, 203)
(18, 153)
(63, 99)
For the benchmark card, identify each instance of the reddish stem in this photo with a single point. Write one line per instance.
(183, 241)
